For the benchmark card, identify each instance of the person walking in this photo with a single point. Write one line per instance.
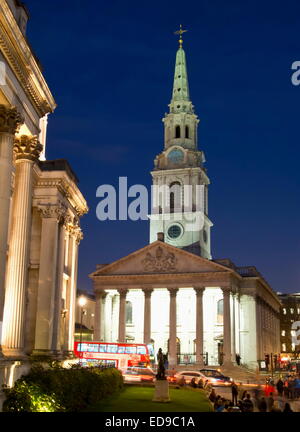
(234, 393)
(297, 387)
(279, 386)
(238, 359)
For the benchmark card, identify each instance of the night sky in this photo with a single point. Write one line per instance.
(110, 68)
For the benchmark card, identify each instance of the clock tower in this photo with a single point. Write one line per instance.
(180, 181)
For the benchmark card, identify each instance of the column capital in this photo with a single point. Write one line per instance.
(27, 148)
(226, 290)
(123, 292)
(173, 291)
(199, 290)
(147, 291)
(101, 294)
(10, 120)
(54, 211)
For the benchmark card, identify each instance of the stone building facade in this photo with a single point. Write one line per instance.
(40, 210)
(289, 319)
(180, 299)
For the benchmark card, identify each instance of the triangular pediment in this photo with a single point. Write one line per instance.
(159, 257)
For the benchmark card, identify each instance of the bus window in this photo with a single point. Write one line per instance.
(130, 350)
(112, 348)
(141, 349)
(92, 348)
(102, 348)
(82, 347)
(121, 350)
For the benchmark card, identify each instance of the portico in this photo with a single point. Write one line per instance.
(178, 301)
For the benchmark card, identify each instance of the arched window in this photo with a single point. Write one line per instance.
(175, 197)
(128, 312)
(177, 132)
(187, 132)
(220, 312)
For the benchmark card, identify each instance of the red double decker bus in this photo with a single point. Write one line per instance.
(122, 355)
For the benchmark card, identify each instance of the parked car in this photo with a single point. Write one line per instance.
(215, 377)
(189, 375)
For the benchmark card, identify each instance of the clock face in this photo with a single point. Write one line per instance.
(176, 156)
(174, 231)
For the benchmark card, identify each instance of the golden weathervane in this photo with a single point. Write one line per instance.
(180, 32)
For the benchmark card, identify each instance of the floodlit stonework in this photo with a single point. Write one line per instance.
(172, 294)
(40, 210)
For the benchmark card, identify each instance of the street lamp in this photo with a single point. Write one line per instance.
(82, 302)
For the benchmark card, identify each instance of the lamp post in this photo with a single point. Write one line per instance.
(82, 302)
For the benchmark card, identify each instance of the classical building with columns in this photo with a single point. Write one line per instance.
(40, 209)
(171, 293)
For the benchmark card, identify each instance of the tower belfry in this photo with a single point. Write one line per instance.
(180, 193)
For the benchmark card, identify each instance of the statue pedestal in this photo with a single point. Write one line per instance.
(161, 393)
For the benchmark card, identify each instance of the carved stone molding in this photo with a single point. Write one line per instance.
(162, 261)
(27, 147)
(10, 120)
(55, 211)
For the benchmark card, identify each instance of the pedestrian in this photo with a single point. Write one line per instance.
(279, 386)
(297, 387)
(234, 393)
(270, 401)
(238, 359)
(193, 383)
(287, 408)
(262, 406)
(221, 405)
(248, 404)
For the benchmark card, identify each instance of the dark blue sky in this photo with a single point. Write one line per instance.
(110, 67)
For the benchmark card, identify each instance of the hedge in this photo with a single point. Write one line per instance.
(59, 389)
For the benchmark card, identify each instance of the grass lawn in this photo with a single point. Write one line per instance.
(139, 399)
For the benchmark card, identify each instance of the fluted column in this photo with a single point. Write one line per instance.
(99, 314)
(147, 315)
(122, 315)
(76, 237)
(226, 326)
(199, 325)
(10, 120)
(58, 312)
(52, 215)
(233, 332)
(27, 150)
(173, 327)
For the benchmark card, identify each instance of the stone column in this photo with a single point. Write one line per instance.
(122, 315)
(76, 237)
(199, 326)
(59, 313)
(52, 215)
(10, 120)
(27, 150)
(226, 326)
(173, 328)
(147, 315)
(233, 353)
(99, 312)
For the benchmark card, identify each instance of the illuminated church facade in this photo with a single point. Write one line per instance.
(171, 294)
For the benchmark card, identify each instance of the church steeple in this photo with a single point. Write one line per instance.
(179, 212)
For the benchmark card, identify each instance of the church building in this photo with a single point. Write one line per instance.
(171, 294)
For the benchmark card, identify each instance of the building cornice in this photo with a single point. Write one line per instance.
(20, 58)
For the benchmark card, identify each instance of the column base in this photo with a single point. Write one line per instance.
(44, 353)
(14, 353)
